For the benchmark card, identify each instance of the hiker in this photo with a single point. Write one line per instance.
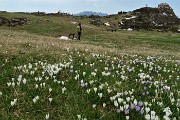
(79, 29)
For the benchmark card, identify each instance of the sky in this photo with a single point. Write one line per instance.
(76, 6)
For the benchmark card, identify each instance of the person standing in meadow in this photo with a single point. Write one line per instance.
(79, 31)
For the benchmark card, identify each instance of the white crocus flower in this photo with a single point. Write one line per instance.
(147, 117)
(135, 102)
(9, 84)
(93, 74)
(50, 100)
(47, 116)
(101, 86)
(166, 118)
(63, 89)
(36, 79)
(116, 103)
(146, 103)
(79, 117)
(95, 89)
(128, 99)
(126, 106)
(13, 84)
(167, 111)
(36, 99)
(120, 100)
(62, 82)
(44, 84)
(41, 85)
(104, 104)
(50, 89)
(156, 118)
(18, 83)
(109, 90)
(19, 79)
(100, 95)
(127, 117)
(94, 105)
(174, 118)
(84, 73)
(88, 91)
(121, 108)
(13, 102)
(172, 100)
(147, 109)
(36, 86)
(24, 81)
(153, 115)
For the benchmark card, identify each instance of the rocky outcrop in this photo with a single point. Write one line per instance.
(96, 22)
(13, 22)
(161, 18)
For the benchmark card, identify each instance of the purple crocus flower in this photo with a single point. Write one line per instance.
(137, 108)
(141, 104)
(83, 84)
(147, 93)
(142, 111)
(126, 111)
(145, 87)
(149, 82)
(132, 106)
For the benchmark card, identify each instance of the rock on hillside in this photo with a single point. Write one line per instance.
(161, 18)
(13, 22)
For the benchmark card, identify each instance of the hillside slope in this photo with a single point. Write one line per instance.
(135, 41)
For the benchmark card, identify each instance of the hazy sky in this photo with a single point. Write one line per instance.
(76, 6)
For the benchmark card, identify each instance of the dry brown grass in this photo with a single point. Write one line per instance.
(14, 43)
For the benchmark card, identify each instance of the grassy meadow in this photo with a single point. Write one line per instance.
(124, 75)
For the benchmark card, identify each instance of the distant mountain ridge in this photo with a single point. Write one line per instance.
(88, 13)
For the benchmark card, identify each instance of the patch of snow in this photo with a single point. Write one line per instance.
(107, 24)
(133, 17)
(154, 23)
(74, 23)
(178, 30)
(127, 18)
(64, 38)
(165, 14)
(129, 29)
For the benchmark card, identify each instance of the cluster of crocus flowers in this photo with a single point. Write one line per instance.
(129, 84)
